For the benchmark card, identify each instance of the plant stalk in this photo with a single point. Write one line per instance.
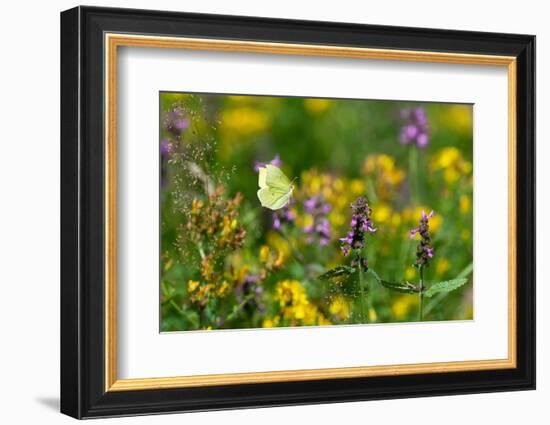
(421, 293)
(364, 318)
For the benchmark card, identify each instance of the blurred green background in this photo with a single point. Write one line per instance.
(226, 265)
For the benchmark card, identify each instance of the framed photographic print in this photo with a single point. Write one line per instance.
(261, 212)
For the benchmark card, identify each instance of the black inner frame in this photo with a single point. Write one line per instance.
(82, 212)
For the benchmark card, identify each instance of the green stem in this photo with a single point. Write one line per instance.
(201, 251)
(176, 307)
(421, 293)
(413, 170)
(364, 318)
(183, 313)
(238, 309)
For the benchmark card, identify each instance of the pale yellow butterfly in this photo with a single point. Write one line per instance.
(275, 188)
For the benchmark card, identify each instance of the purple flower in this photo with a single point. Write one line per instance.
(275, 161)
(175, 120)
(283, 215)
(250, 293)
(320, 227)
(415, 127)
(424, 250)
(361, 224)
(166, 147)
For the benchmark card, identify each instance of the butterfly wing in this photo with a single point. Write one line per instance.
(262, 177)
(276, 179)
(275, 188)
(272, 198)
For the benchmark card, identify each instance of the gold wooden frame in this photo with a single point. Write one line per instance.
(113, 41)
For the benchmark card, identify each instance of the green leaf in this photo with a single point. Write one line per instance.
(446, 286)
(403, 287)
(340, 271)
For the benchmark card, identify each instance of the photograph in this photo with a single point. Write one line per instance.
(283, 211)
(287, 210)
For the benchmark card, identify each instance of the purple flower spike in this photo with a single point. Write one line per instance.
(420, 116)
(424, 250)
(310, 205)
(361, 224)
(283, 215)
(422, 140)
(415, 127)
(320, 229)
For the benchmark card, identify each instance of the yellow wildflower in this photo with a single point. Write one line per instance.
(273, 259)
(385, 175)
(442, 265)
(307, 220)
(451, 175)
(264, 253)
(196, 205)
(327, 192)
(452, 163)
(381, 213)
(271, 323)
(279, 260)
(295, 305)
(396, 219)
(315, 184)
(435, 222)
(207, 268)
(336, 219)
(238, 275)
(317, 106)
(244, 121)
(275, 240)
(192, 285)
(446, 157)
(459, 118)
(228, 225)
(372, 315)
(403, 305)
(357, 187)
(290, 292)
(223, 289)
(410, 273)
(340, 307)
